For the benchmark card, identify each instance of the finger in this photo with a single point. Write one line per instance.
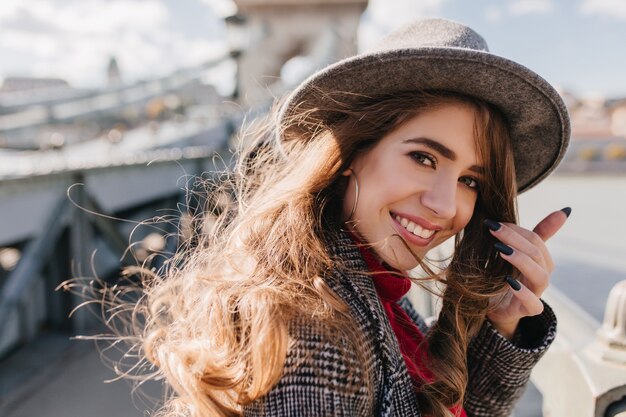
(551, 224)
(536, 276)
(531, 304)
(523, 240)
(535, 247)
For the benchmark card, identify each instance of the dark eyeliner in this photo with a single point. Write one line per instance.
(476, 187)
(417, 155)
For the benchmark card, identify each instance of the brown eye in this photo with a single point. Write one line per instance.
(424, 159)
(470, 182)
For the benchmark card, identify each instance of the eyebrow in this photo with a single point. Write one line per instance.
(443, 151)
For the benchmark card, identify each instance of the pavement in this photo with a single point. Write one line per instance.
(70, 382)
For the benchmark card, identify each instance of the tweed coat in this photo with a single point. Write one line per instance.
(322, 377)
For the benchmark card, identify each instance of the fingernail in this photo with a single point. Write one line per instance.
(513, 283)
(493, 225)
(507, 250)
(567, 211)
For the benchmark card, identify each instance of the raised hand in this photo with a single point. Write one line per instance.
(527, 252)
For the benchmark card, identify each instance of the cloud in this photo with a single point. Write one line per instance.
(74, 39)
(382, 16)
(9, 8)
(611, 8)
(493, 14)
(222, 8)
(496, 13)
(88, 16)
(394, 13)
(31, 42)
(523, 7)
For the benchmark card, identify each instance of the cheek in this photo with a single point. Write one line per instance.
(465, 211)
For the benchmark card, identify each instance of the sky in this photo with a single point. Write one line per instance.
(577, 45)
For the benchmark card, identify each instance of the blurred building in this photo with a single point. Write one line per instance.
(618, 117)
(114, 76)
(590, 119)
(23, 84)
(597, 118)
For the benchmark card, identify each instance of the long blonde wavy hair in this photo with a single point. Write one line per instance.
(214, 322)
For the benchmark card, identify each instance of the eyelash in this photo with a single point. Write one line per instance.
(476, 185)
(419, 157)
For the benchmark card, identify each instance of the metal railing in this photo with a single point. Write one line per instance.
(59, 220)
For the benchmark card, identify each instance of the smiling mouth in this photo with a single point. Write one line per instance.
(413, 228)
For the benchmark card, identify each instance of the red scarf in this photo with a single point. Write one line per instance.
(391, 288)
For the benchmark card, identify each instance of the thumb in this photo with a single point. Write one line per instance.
(551, 224)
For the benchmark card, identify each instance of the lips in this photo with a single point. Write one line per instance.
(415, 229)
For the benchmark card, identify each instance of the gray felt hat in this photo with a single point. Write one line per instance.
(438, 54)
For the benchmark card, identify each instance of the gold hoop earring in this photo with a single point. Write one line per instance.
(356, 196)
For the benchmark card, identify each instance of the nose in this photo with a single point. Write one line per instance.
(440, 199)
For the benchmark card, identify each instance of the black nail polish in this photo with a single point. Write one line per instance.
(507, 250)
(513, 283)
(493, 225)
(567, 211)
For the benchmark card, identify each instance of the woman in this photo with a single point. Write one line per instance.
(294, 304)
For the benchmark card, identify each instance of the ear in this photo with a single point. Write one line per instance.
(347, 172)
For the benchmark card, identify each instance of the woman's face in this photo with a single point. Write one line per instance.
(419, 183)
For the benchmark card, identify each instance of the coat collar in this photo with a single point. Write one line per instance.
(351, 282)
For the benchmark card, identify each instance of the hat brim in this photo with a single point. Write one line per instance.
(537, 116)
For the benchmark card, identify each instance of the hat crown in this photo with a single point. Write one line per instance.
(433, 33)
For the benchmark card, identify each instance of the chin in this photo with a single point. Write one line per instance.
(406, 263)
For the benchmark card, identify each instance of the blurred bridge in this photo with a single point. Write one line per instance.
(21, 115)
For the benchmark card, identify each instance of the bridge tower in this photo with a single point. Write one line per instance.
(313, 33)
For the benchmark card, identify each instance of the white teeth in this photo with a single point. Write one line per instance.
(416, 229)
